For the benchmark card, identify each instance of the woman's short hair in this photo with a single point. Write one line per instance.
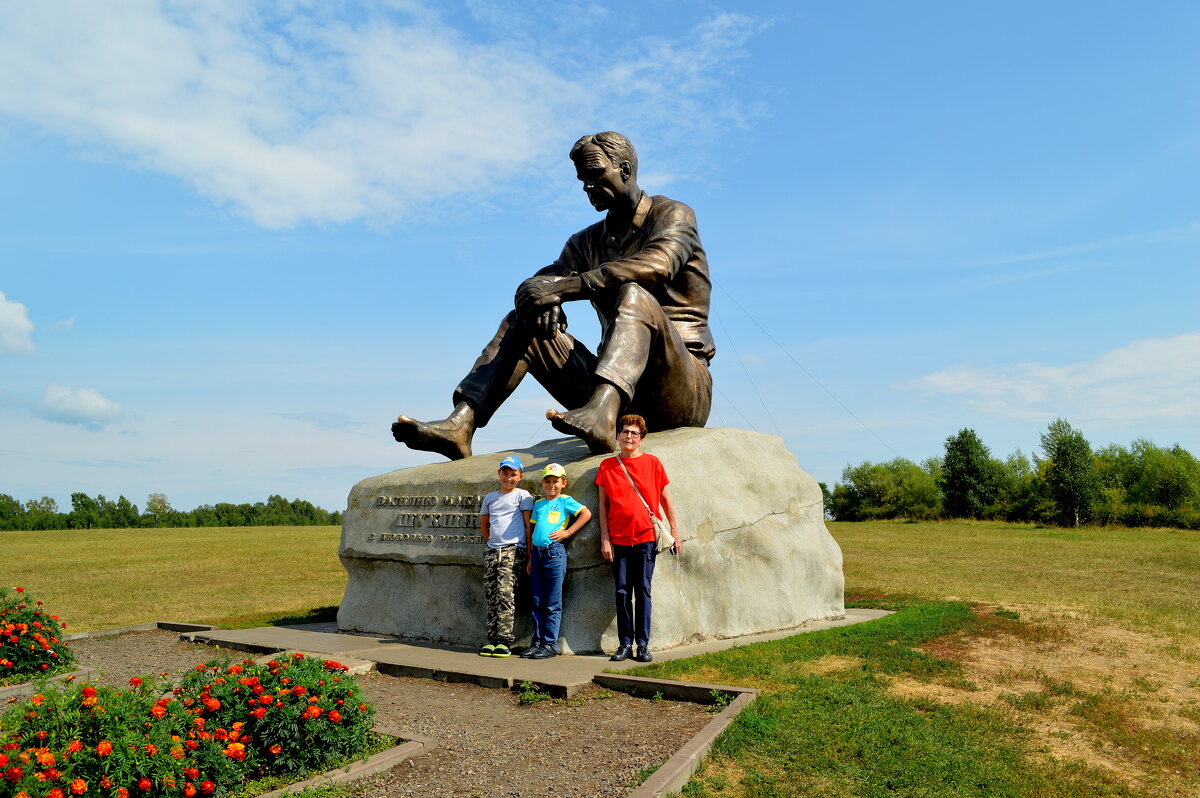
(632, 420)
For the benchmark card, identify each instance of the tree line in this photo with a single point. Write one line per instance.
(1066, 484)
(101, 513)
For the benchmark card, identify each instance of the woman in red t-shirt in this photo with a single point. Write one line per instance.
(627, 532)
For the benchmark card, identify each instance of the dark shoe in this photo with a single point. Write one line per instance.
(543, 652)
(621, 654)
(529, 652)
(643, 655)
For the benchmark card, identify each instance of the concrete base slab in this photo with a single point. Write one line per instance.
(562, 676)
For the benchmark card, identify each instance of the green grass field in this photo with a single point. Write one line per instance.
(984, 683)
(231, 576)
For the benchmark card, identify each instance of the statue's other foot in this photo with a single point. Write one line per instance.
(594, 426)
(444, 437)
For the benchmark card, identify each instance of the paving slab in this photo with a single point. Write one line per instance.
(562, 676)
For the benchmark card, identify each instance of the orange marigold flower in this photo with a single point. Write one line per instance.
(151, 749)
(14, 773)
(105, 782)
(335, 716)
(56, 793)
(104, 748)
(90, 701)
(235, 751)
(189, 789)
(88, 690)
(74, 747)
(259, 713)
(275, 749)
(135, 682)
(191, 772)
(144, 783)
(38, 699)
(177, 753)
(207, 786)
(221, 734)
(212, 704)
(191, 745)
(78, 787)
(46, 759)
(122, 792)
(158, 711)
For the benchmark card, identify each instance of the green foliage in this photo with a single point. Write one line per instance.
(30, 639)
(101, 513)
(530, 693)
(1070, 475)
(1069, 485)
(969, 476)
(898, 489)
(222, 725)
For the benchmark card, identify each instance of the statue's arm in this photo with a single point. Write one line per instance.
(669, 245)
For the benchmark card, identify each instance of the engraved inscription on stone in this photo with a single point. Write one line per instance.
(430, 514)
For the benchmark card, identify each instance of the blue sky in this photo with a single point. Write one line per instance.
(237, 239)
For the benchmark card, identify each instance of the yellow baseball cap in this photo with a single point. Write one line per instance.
(554, 470)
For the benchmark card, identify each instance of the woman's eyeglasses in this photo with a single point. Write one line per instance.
(635, 433)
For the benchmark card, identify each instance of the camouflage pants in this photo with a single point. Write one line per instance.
(501, 569)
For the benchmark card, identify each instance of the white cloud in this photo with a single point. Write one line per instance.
(63, 324)
(83, 406)
(293, 114)
(15, 327)
(1146, 381)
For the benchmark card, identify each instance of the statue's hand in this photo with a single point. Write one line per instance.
(550, 323)
(535, 295)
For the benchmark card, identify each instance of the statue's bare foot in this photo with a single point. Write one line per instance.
(449, 437)
(594, 426)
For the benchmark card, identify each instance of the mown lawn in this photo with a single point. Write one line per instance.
(232, 576)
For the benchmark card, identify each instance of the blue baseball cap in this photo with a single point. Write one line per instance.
(512, 462)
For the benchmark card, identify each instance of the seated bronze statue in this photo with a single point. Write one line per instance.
(645, 272)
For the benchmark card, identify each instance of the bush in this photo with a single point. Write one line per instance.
(223, 724)
(30, 639)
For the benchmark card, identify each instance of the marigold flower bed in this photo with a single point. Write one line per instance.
(222, 725)
(30, 639)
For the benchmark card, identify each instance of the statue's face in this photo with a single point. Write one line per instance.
(602, 180)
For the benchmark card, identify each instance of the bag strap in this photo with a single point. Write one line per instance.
(629, 477)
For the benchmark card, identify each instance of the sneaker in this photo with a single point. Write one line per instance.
(643, 654)
(545, 652)
(529, 652)
(501, 651)
(487, 650)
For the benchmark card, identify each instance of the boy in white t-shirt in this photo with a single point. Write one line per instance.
(504, 523)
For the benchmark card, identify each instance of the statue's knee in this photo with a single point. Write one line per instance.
(633, 295)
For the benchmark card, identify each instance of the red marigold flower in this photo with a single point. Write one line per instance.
(191, 745)
(259, 713)
(45, 667)
(144, 783)
(20, 590)
(3, 761)
(221, 734)
(235, 751)
(207, 786)
(234, 670)
(74, 747)
(275, 749)
(88, 690)
(105, 782)
(135, 682)
(335, 716)
(46, 759)
(198, 722)
(151, 749)
(38, 699)
(266, 699)
(56, 793)
(78, 787)
(189, 789)
(299, 689)
(122, 792)
(212, 704)
(158, 711)
(14, 773)
(191, 772)
(104, 748)
(362, 707)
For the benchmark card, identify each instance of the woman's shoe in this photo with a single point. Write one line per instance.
(621, 654)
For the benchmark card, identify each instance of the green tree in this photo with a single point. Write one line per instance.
(12, 514)
(1070, 473)
(157, 507)
(968, 476)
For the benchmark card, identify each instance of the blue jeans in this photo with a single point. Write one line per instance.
(546, 573)
(633, 570)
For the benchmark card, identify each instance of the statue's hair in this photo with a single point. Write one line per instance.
(614, 145)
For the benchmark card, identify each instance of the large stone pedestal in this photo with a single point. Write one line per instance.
(756, 554)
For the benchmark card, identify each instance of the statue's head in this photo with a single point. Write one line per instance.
(606, 164)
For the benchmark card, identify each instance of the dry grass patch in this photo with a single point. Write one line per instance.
(1093, 692)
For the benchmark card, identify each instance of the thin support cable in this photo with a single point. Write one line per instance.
(808, 373)
(748, 377)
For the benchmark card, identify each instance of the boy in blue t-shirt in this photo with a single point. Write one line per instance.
(555, 518)
(504, 524)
